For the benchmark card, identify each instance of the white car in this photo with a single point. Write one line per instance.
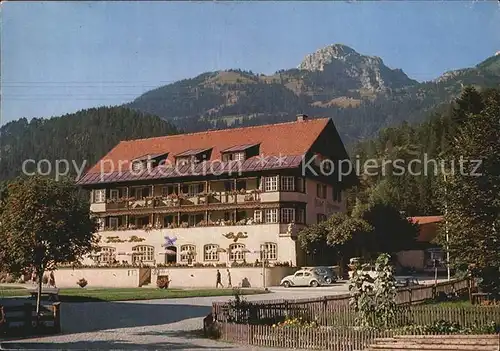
(302, 278)
(367, 270)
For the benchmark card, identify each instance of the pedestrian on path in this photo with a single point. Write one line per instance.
(218, 280)
(229, 284)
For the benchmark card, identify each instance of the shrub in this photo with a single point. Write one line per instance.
(9, 279)
(163, 282)
(45, 280)
(82, 283)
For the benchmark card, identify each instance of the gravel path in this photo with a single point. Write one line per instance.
(173, 324)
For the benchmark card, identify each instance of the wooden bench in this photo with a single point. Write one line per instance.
(52, 293)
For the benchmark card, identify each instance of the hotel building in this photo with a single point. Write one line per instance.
(216, 197)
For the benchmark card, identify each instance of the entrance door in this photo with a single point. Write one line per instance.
(170, 257)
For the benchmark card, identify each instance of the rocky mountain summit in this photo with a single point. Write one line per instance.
(340, 61)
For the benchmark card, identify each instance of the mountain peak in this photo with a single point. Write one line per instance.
(340, 60)
(324, 56)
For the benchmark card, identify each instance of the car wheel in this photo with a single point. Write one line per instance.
(328, 280)
(286, 284)
(314, 284)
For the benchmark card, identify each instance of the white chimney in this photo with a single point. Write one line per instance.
(302, 118)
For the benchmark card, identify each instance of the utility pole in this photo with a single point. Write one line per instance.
(446, 226)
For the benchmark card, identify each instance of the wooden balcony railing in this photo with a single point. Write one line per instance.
(176, 201)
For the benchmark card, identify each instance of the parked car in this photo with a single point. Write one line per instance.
(406, 281)
(368, 269)
(328, 273)
(303, 277)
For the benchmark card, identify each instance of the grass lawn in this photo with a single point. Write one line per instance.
(125, 294)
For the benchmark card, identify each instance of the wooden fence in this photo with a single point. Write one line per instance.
(22, 319)
(337, 339)
(334, 339)
(349, 338)
(321, 309)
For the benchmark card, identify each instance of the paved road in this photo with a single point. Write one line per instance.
(172, 324)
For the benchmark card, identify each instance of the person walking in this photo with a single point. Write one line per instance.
(229, 284)
(218, 280)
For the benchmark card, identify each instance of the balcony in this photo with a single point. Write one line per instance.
(180, 201)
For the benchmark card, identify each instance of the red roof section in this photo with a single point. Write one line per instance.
(291, 138)
(255, 163)
(426, 219)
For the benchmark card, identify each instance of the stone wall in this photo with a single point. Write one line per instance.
(191, 277)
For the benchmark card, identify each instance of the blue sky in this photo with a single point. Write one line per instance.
(61, 57)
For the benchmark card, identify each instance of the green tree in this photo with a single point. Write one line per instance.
(339, 236)
(473, 201)
(392, 230)
(44, 223)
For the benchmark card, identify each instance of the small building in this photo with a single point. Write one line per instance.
(426, 252)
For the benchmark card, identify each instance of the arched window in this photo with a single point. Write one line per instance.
(237, 252)
(188, 252)
(143, 253)
(107, 255)
(211, 252)
(268, 251)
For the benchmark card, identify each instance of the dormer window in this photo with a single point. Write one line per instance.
(233, 156)
(240, 152)
(193, 156)
(148, 161)
(181, 161)
(137, 166)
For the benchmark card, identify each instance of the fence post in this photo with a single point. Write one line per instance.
(410, 292)
(28, 318)
(56, 309)
(325, 312)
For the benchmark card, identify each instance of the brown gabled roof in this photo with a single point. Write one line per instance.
(426, 219)
(291, 138)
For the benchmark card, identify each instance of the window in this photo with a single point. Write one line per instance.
(143, 253)
(141, 193)
(321, 191)
(268, 251)
(271, 215)
(239, 156)
(300, 216)
(113, 222)
(241, 184)
(320, 217)
(288, 183)
(169, 190)
(300, 274)
(233, 156)
(194, 219)
(187, 253)
(101, 223)
(107, 255)
(271, 183)
(114, 194)
(229, 185)
(337, 195)
(257, 216)
(211, 252)
(287, 215)
(99, 195)
(181, 161)
(301, 184)
(237, 252)
(194, 189)
(137, 166)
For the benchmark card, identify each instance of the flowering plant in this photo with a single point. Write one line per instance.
(296, 322)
